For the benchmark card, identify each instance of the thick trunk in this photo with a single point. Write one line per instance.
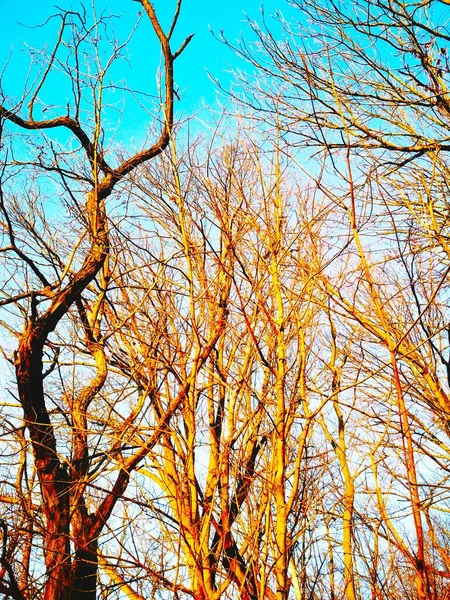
(57, 549)
(53, 477)
(51, 471)
(85, 568)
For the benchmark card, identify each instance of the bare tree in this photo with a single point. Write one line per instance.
(49, 275)
(232, 364)
(206, 310)
(369, 93)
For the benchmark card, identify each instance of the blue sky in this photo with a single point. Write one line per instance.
(204, 54)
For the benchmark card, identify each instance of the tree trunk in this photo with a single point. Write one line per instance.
(85, 568)
(53, 477)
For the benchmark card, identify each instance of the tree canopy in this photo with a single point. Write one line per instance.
(227, 362)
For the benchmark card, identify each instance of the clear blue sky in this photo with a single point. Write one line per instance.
(197, 16)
